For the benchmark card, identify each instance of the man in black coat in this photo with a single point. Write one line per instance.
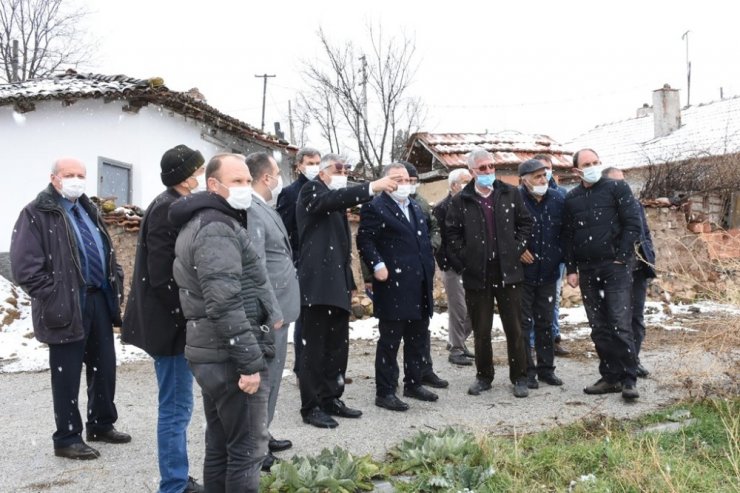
(487, 229)
(325, 277)
(154, 321)
(394, 243)
(601, 227)
(307, 167)
(62, 256)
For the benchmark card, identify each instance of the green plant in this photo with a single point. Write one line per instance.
(432, 451)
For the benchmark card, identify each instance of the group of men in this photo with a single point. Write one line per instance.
(227, 259)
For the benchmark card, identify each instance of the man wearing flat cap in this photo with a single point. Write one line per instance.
(541, 261)
(154, 321)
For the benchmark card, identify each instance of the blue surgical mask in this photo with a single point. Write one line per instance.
(548, 174)
(485, 181)
(592, 174)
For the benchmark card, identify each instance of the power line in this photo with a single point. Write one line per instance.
(264, 96)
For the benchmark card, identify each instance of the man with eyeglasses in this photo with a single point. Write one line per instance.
(326, 283)
(487, 228)
(600, 228)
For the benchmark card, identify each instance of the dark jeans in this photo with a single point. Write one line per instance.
(297, 345)
(537, 310)
(480, 308)
(607, 296)
(65, 361)
(639, 292)
(324, 357)
(414, 334)
(236, 429)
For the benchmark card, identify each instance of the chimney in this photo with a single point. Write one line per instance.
(666, 111)
(644, 111)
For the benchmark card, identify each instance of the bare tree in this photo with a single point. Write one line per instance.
(37, 37)
(368, 91)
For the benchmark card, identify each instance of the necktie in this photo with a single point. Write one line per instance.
(94, 271)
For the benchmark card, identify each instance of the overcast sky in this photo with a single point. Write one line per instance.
(557, 68)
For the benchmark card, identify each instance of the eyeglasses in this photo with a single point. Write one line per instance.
(488, 166)
(341, 167)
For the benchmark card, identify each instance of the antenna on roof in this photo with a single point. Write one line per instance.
(688, 69)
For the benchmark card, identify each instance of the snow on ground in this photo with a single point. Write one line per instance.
(20, 351)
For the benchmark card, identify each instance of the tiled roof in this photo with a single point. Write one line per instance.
(71, 86)
(508, 148)
(710, 129)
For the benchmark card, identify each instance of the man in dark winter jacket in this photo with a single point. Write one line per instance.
(643, 270)
(62, 256)
(326, 284)
(223, 289)
(601, 227)
(488, 227)
(154, 321)
(541, 262)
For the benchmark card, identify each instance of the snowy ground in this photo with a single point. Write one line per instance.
(20, 351)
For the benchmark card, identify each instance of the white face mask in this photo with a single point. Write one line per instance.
(548, 174)
(414, 187)
(338, 182)
(240, 198)
(72, 188)
(402, 192)
(202, 183)
(592, 174)
(310, 171)
(539, 190)
(275, 192)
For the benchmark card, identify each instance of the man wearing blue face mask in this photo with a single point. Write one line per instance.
(487, 227)
(601, 225)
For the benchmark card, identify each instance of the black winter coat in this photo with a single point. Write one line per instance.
(286, 205)
(325, 265)
(153, 320)
(45, 262)
(440, 213)
(601, 224)
(467, 242)
(545, 242)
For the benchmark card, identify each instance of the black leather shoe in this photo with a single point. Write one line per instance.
(642, 372)
(193, 486)
(110, 436)
(77, 451)
(269, 461)
(460, 359)
(338, 408)
(468, 353)
(532, 382)
(629, 392)
(520, 388)
(432, 380)
(320, 419)
(279, 445)
(478, 387)
(420, 393)
(391, 402)
(550, 379)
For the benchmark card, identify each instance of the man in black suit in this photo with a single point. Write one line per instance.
(326, 284)
(393, 240)
(307, 167)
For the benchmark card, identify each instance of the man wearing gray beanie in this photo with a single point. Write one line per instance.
(154, 322)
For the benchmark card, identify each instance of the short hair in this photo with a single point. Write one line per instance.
(543, 157)
(330, 158)
(455, 176)
(387, 169)
(578, 153)
(305, 152)
(607, 171)
(213, 168)
(259, 164)
(476, 155)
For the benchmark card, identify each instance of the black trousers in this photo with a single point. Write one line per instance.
(607, 297)
(324, 356)
(414, 334)
(480, 303)
(96, 350)
(538, 303)
(297, 345)
(639, 293)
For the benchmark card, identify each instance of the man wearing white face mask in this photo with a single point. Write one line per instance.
(154, 322)
(325, 276)
(601, 226)
(270, 240)
(541, 262)
(394, 242)
(62, 256)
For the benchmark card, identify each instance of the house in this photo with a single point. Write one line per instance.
(435, 155)
(119, 127)
(690, 155)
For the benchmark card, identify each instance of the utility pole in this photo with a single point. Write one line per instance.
(688, 69)
(264, 96)
(14, 62)
(290, 123)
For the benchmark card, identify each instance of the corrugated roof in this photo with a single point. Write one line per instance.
(710, 129)
(71, 86)
(508, 148)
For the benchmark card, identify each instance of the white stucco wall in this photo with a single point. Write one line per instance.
(87, 130)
